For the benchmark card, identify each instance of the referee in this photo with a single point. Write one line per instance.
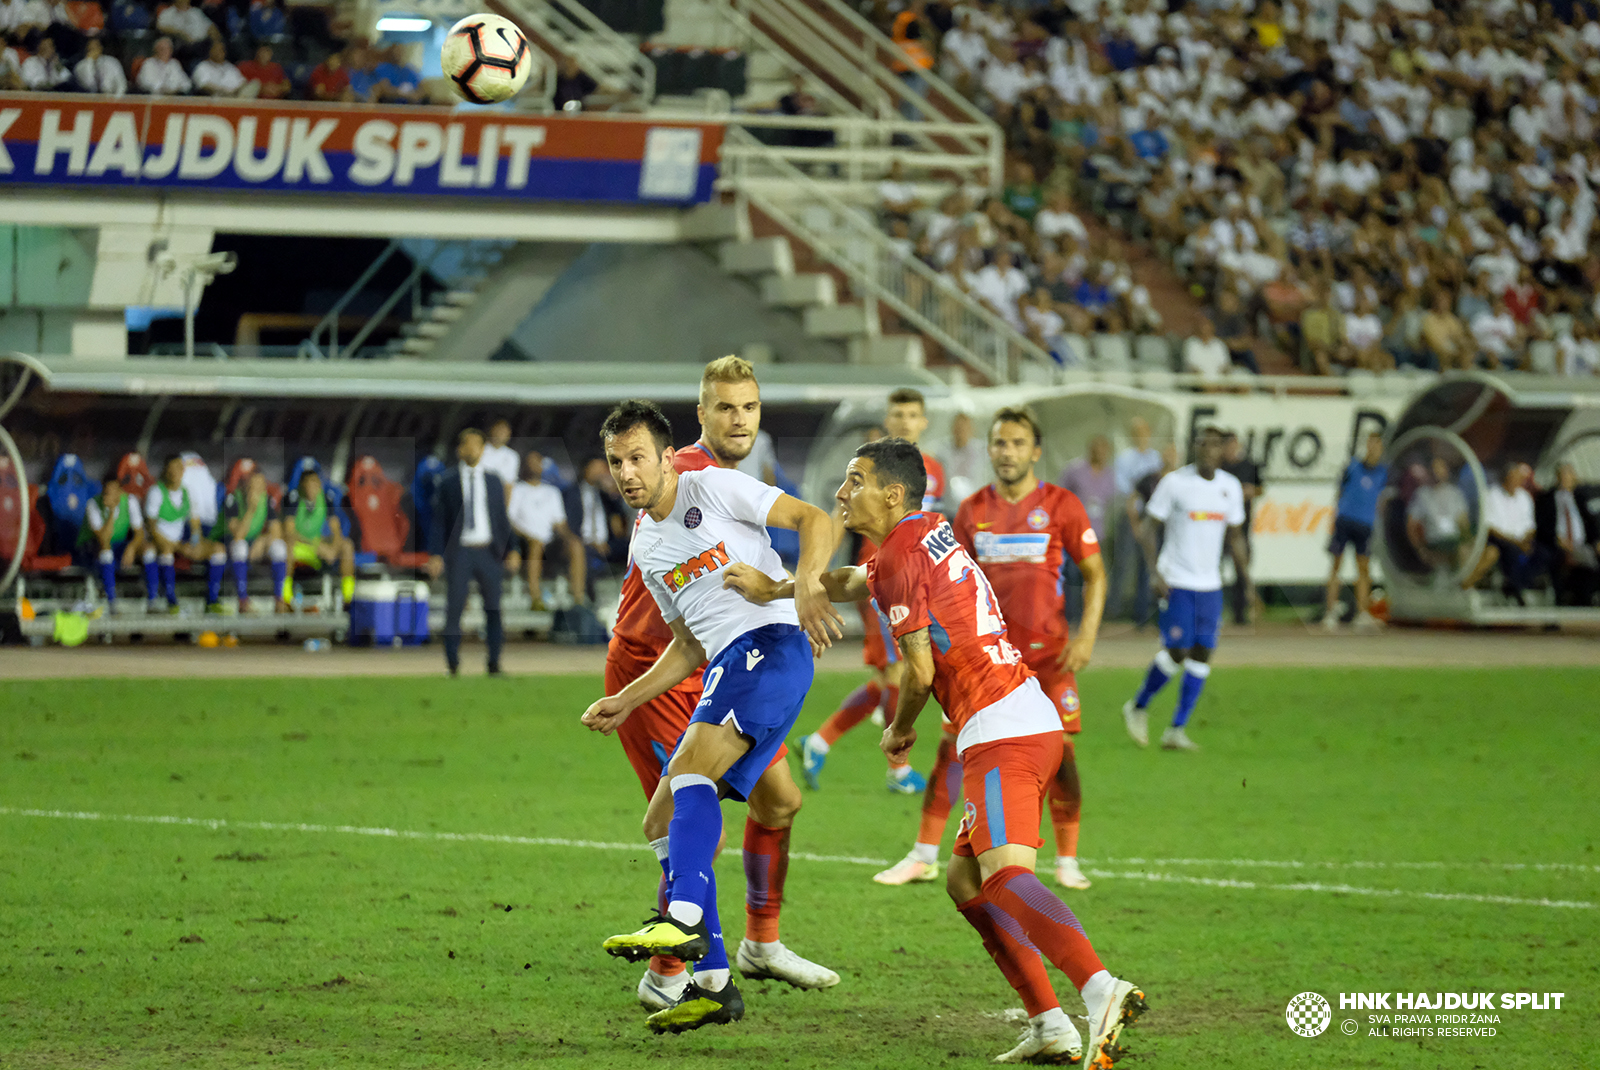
(469, 540)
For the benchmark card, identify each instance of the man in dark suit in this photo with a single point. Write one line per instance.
(469, 539)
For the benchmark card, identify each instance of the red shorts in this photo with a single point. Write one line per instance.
(651, 732)
(1005, 783)
(1058, 684)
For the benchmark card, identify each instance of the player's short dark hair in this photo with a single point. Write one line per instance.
(636, 412)
(1019, 414)
(908, 396)
(461, 435)
(894, 460)
(167, 463)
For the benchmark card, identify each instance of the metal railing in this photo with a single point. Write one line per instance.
(852, 242)
(862, 150)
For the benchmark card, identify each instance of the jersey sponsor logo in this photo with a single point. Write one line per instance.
(898, 615)
(998, 548)
(691, 517)
(1090, 538)
(701, 564)
(940, 543)
(1206, 514)
(1038, 519)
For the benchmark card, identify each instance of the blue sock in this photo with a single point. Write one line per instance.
(1194, 680)
(108, 579)
(1162, 669)
(152, 580)
(214, 571)
(717, 957)
(692, 843)
(169, 582)
(280, 572)
(241, 578)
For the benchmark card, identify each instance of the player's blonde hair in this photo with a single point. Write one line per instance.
(728, 369)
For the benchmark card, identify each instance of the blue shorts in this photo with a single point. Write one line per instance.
(1191, 618)
(1353, 533)
(759, 682)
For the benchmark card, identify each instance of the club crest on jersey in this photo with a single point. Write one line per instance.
(1038, 518)
(691, 517)
(701, 564)
(1069, 701)
(940, 543)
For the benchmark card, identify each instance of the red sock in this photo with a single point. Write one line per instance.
(766, 865)
(891, 702)
(856, 708)
(1052, 927)
(944, 787)
(1011, 950)
(1066, 804)
(664, 965)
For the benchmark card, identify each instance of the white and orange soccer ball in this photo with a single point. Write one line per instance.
(486, 58)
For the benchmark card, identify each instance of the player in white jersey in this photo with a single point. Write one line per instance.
(1197, 508)
(694, 525)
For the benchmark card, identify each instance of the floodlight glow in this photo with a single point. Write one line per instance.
(403, 24)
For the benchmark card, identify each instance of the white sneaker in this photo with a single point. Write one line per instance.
(1068, 875)
(757, 963)
(658, 996)
(1366, 622)
(1330, 622)
(1177, 739)
(1057, 1047)
(1138, 722)
(877, 717)
(908, 871)
(1121, 1008)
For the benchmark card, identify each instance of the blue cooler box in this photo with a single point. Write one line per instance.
(411, 612)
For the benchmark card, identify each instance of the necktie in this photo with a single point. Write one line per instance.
(472, 512)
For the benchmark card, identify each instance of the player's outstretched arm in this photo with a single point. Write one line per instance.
(683, 656)
(848, 584)
(822, 623)
(1078, 652)
(917, 653)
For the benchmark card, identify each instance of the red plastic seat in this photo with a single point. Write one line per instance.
(32, 560)
(241, 471)
(134, 475)
(374, 501)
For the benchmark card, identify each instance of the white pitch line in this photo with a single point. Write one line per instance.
(1543, 867)
(215, 823)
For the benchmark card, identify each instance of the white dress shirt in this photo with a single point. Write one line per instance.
(101, 76)
(163, 79)
(475, 529)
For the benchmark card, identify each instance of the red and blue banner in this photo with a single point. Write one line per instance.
(185, 143)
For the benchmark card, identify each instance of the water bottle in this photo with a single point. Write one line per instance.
(316, 646)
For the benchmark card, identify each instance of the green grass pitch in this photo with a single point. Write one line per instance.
(137, 944)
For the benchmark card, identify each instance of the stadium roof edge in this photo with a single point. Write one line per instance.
(525, 382)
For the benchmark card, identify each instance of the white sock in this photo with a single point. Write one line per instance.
(660, 848)
(1097, 987)
(900, 772)
(675, 981)
(712, 980)
(1062, 860)
(686, 912)
(768, 948)
(925, 852)
(1051, 1021)
(820, 745)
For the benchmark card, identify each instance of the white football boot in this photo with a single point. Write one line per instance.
(1068, 875)
(1177, 739)
(1138, 722)
(759, 963)
(1057, 1044)
(1118, 1007)
(908, 870)
(657, 993)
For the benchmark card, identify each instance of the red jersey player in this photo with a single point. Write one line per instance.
(907, 418)
(730, 416)
(952, 636)
(1019, 530)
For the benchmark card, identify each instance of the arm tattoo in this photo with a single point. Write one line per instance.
(915, 641)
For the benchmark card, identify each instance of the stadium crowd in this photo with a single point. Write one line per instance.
(246, 49)
(1366, 185)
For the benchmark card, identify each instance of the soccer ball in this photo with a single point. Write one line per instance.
(486, 58)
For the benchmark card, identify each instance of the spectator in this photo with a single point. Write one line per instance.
(1092, 478)
(1237, 463)
(97, 72)
(264, 77)
(1354, 518)
(398, 81)
(314, 533)
(1445, 336)
(762, 460)
(595, 503)
(1205, 354)
(1508, 514)
(469, 543)
(1233, 327)
(538, 514)
(499, 456)
(573, 84)
(965, 462)
(1363, 339)
(267, 22)
(187, 25)
(1057, 218)
(216, 76)
(162, 75)
(897, 197)
(1000, 285)
(43, 72)
(330, 80)
(128, 17)
(363, 74)
(1497, 335)
(1580, 350)
(10, 66)
(1402, 335)
(1320, 331)
(1577, 571)
(1137, 461)
(26, 22)
(1436, 519)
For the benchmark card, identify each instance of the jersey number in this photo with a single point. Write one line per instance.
(988, 610)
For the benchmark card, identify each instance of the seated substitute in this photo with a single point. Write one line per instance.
(173, 528)
(113, 533)
(314, 533)
(538, 515)
(253, 529)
